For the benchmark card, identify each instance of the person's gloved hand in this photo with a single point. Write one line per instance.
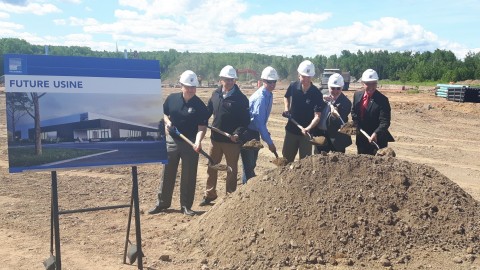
(286, 114)
(171, 128)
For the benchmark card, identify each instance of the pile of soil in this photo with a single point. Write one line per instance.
(318, 140)
(280, 161)
(253, 144)
(387, 152)
(349, 128)
(352, 210)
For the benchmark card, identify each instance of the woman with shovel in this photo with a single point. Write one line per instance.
(260, 108)
(187, 115)
(371, 113)
(333, 116)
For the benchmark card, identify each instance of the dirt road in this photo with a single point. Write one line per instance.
(428, 130)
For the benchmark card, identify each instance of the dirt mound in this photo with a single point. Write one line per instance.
(337, 209)
(253, 144)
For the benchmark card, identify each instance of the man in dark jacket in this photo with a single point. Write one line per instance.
(338, 109)
(371, 112)
(229, 107)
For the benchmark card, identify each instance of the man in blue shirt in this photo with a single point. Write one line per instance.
(260, 106)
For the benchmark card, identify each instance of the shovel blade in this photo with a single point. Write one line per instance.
(386, 152)
(220, 167)
(50, 263)
(132, 253)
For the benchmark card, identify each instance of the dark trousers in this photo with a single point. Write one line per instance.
(178, 149)
(365, 147)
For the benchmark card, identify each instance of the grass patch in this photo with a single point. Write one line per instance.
(433, 84)
(25, 156)
(413, 91)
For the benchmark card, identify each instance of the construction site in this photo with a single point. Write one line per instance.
(418, 210)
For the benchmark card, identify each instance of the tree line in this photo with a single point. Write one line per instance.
(407, 66)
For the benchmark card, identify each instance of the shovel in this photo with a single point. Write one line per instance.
(278, 160)
(211, 164)
(252, 144)
(380, 152)
(320, 140)
(220, 131)
(132, 252)
(50, 263)
(346, 128)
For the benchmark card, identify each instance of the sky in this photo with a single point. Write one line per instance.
(281, 27)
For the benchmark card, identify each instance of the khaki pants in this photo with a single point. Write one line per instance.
(296, 143)
(232, 153)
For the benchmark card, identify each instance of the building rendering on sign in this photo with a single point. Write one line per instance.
(90, 126)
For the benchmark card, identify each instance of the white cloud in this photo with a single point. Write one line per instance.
(160, 7)
(60, 22)
(30, 8)
(10, 26)
(4, 15)
(72, 1)
(126, 14)
(74, 21)
(227, 26)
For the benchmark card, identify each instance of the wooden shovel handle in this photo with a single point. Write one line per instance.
(193, 145)
(300, 127)
(220, 131)
(368, 137)
(296, 123)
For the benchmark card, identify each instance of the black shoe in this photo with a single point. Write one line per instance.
(157, 209)
(206, 201)
(187, 211)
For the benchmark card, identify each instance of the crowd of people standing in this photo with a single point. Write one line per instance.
(309, 113)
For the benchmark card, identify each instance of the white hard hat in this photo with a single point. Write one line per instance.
(189, 78)
(306, 68)
(228, 72)
(269, 73)
(335, 80)
(369, 75)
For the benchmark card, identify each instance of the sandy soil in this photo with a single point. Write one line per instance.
(428, 130)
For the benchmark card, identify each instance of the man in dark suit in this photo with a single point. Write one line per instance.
(371, 112)
(338, 106)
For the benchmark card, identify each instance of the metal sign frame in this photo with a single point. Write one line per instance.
(56, 261)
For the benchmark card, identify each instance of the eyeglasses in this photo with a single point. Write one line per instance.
(227, 79)
(269, 82)
(336, 88)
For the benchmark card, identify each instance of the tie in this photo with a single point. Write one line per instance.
(363, 109)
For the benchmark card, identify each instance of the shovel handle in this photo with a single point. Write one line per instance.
(368, 137)
(300, 126)
(220, 131)
(296, 123)
(193, 145)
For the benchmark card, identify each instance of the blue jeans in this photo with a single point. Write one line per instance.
(249, 161)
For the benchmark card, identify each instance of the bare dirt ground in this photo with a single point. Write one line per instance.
(417, 211)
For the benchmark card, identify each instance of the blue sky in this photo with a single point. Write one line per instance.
(302, 27)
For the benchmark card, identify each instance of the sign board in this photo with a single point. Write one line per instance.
(70, 112)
